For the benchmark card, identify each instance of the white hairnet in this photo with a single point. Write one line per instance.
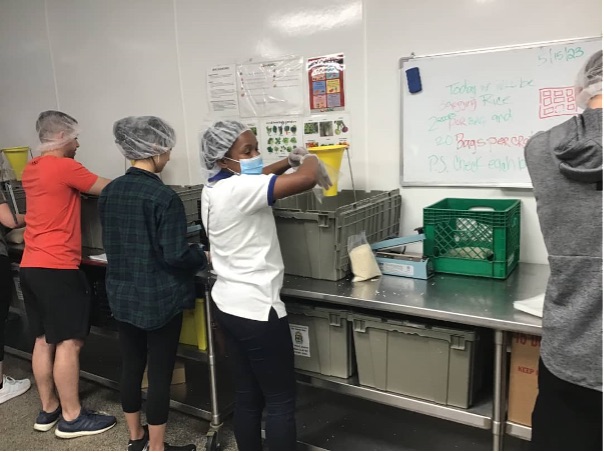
(216, 142)
(55, 129)
(141, 137)
(589, 80)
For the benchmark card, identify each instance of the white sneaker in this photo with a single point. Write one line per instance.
(12, 388)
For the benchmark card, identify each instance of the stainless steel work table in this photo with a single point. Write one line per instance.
(480, 302)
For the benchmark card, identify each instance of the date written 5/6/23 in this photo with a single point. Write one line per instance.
(551, 56)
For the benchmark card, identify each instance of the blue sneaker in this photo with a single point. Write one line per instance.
(87, 423)
(45, 421)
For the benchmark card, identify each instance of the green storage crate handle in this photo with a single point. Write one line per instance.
(335, 320)
(458, 343)
(359, 326)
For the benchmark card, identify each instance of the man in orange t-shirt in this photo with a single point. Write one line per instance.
(56, 293)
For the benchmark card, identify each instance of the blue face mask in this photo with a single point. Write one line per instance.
(251, 166)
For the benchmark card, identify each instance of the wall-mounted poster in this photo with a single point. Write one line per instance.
(222, 91)
(321, 130)
(279, 138)
(253, 126)
(271, 88)
(326, 83)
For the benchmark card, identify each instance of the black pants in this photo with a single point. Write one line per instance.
(160, 347)
(264, 369)
(6, 281)
(566, 416)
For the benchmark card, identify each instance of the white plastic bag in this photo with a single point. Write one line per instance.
(362, 259)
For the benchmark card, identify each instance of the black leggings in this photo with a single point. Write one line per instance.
(6, 292)
(160, 345)
(264, 362)
(566, 416)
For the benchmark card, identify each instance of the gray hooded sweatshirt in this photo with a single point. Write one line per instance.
(565, 164)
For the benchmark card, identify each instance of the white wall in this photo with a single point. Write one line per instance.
(101, 60)
(396, 28)
(27, 84)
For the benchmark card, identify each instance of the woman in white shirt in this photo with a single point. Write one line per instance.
(237, 215)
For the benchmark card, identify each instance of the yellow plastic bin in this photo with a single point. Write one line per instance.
(193, 330)
(17, 158)
(331, 156)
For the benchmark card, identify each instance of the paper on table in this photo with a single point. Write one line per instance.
(533, 305)
(98, 257)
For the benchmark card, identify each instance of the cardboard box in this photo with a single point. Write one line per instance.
(178, 375)
(524, 368)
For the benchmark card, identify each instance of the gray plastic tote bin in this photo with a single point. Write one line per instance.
(314, 236)
(322, 340)
(190, 196)
(417, 360)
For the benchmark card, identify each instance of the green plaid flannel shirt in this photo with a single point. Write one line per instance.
(150, 266)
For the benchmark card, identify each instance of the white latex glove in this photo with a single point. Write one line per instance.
(322, 177)
(295, 157)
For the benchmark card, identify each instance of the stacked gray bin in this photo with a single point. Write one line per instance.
(190, 196)
(427, 362)
(329, 348)
(18, 193)
(92, 232)
(321, 229)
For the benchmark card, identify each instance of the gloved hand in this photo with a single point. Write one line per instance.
(295, 157)
(322, 176)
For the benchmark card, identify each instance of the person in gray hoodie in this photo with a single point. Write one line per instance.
(565, 164)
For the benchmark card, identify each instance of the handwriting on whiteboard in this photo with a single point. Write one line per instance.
(478, 110)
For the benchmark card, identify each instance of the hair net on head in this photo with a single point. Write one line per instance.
(141, 137)
(216, 142)
(55, 129)
(589, 80)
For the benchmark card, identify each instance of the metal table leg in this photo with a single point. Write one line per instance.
(212, 436)
(499, 398)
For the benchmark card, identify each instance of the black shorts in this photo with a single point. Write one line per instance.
(57, 302)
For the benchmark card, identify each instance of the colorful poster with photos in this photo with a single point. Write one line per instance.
(322, 130)
(326, 83)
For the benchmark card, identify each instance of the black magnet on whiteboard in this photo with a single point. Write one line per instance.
(414, 80)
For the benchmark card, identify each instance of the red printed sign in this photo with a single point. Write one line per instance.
(326, 83)
(557, 102)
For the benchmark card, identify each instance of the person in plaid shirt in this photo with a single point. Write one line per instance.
(150, 273)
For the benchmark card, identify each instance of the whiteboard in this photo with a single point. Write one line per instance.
(476, 110)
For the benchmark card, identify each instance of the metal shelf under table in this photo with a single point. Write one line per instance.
(518, 431)
(479, 415)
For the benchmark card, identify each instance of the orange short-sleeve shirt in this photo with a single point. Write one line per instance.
(53, 235)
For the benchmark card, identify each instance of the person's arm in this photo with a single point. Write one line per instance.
(277, 168)
(76, 176)
(98, 186)
(7, 219)
(172, 237)
(293, 160)
(310, 173)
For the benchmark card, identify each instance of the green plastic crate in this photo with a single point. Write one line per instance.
(476, 237)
